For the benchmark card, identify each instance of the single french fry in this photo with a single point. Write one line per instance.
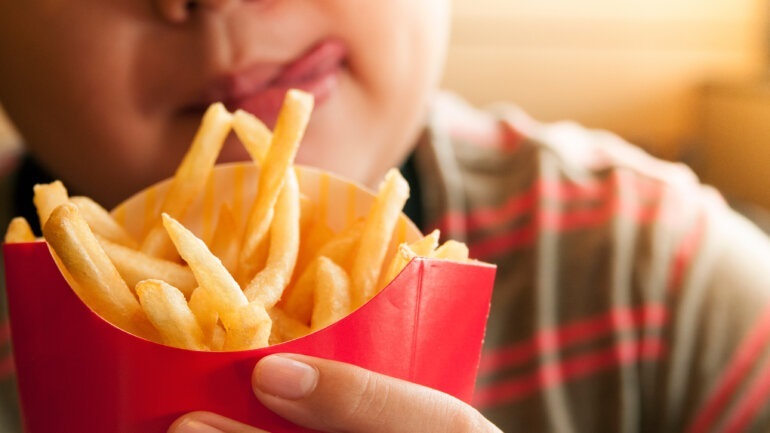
(47, 197)
(254, 135)
(221, 288)
(19, 231)
(207, 317)
(452, 250)
(285, 327)
(332, 294)
(268, 285)
(290, 127)
(216, 342)
(404, 254)
(135, 266)
(167, 309)
(378, 230)
(218, 337)
(298, 299)
(96, 280)
(102, 223)
(203, 309)
(425, 246)
(190, 177)
(248, 269)
(249, 329)
(422, 247)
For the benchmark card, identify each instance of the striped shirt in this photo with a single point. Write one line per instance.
(629, 297)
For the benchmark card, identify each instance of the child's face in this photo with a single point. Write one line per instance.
(108, 93)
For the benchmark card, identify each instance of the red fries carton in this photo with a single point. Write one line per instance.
(79, 373)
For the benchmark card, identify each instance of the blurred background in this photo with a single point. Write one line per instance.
(683, 79)
(686, 80)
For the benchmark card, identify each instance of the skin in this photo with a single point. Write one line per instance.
(350, 399)
(107, 95)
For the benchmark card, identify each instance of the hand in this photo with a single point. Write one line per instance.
(332, 396)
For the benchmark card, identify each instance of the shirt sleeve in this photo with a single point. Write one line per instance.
(716, 377)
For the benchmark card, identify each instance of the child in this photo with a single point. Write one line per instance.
(628, 297)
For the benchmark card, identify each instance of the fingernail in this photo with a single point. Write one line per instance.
(195, 426)
(285, 377)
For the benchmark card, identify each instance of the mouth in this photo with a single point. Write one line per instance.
(260, 89)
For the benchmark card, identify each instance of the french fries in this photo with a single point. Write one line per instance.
(254, 135)
(95, 278)
(19, 231)
(102, 223)
(214, 279)
(191, 176)
(378, 229)
(299, 298)
(289, 129)
(48, 197)
(265, 274)
(268, 285)
(167, 309)
(135, 266)
(331, 300)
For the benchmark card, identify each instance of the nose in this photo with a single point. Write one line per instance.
(178, 11)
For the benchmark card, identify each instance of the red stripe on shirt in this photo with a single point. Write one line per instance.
(561, 191)
(579, 218)
(516, 238)
(549, 219)
(554, 339)
(552, 374)
(685, 252)
(736, 371)
(754, 399)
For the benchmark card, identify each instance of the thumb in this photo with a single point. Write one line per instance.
(332, 396)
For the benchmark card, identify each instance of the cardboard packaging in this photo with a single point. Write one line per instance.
(79, 373)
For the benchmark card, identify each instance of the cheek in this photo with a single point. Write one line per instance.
(401, 44)
(398, 58)
(79, 101)
(355, 134)
(394, 64)
(100, 162)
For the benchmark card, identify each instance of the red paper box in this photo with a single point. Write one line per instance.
(79, 373)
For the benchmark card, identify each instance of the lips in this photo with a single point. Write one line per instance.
(260, 89)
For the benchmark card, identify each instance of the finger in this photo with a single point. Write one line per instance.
(332, 396)
(207, 422)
